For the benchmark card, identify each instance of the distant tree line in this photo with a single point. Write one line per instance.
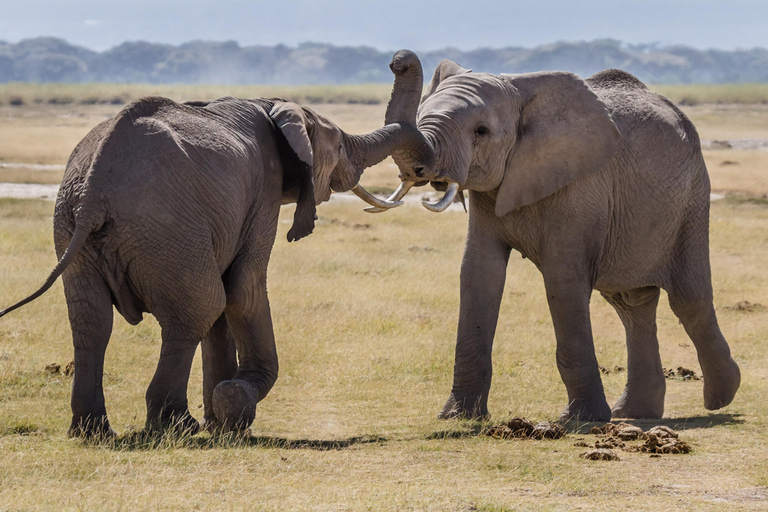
(47, 59)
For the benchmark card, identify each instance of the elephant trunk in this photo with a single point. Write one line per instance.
(406, 92)
(368, 150)
(364, 151)
(403, 107)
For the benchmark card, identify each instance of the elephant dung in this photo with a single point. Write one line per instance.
(518, 428)
(600, 454)
(53, 368)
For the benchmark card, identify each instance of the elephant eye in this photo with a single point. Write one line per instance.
(482, 130)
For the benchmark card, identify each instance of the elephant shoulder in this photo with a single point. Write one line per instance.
(146, 107)
(615, 79)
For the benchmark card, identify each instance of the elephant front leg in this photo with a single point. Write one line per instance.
(483, 272)
(248, 315)
(569, 305)
(219, 364)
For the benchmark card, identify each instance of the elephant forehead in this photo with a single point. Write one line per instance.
(463, 94)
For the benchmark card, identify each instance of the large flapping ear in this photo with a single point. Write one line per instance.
(443, 70)
(291, 121)
(565, 132)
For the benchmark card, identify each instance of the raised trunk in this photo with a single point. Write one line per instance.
(406, 92)
(402, 108)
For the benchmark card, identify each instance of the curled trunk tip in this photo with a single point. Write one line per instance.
(406, 91)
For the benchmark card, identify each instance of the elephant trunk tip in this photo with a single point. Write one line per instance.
(402, 61)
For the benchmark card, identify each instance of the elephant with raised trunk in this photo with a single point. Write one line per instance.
(172, 209)
(602, 185)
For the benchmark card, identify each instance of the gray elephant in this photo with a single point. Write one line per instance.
(602, 185)
(172, 209)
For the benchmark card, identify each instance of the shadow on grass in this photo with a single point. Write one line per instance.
(463, 429)
(139, 440)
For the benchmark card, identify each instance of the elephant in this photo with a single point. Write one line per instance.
(172, 209)
(601, 183)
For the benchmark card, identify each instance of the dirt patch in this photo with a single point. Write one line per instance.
(69, 370)
(521, 428)
(629, 438)
(353, 225)
(746, 306)
(416, 248)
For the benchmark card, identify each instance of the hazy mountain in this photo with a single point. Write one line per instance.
(47, 59)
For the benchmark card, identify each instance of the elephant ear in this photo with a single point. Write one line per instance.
(445, 69)
(565, 132)
(290, 120)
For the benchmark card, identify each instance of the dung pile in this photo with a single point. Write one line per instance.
(682, 372)
(656, 441)
(521, 428)
(600, 454)
(55, 369)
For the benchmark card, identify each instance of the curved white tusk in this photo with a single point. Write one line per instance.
(398, 194)
(373, 200)
(445, 202)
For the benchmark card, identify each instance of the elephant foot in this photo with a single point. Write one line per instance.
(179, 422)
(465, 406)
(91, 427)
(587, 410)
(234, 403)
(640, 404)
(721, 384)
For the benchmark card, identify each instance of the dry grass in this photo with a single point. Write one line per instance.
(365, 315)
(697, 94)
(21, 94)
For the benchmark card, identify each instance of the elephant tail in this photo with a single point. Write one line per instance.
(77, 242)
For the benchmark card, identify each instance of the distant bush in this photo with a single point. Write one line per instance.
(48, 59)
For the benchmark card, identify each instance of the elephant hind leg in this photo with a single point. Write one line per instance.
(693, 306)
(90, 317)
(643, 396)
(186, 312)
(690, 297)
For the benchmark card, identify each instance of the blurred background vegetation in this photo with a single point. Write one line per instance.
(48, 59)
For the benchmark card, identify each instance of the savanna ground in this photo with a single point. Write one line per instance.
(365, 313)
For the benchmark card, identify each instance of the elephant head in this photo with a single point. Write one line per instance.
(331, 160)
(524, 136)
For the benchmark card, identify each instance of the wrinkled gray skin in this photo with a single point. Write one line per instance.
(172, 209)
(602, 185)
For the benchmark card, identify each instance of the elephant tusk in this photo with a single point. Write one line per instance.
(445, 202)
(373, 200)
(398, 194)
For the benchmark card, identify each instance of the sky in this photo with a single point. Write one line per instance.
(392, 24)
